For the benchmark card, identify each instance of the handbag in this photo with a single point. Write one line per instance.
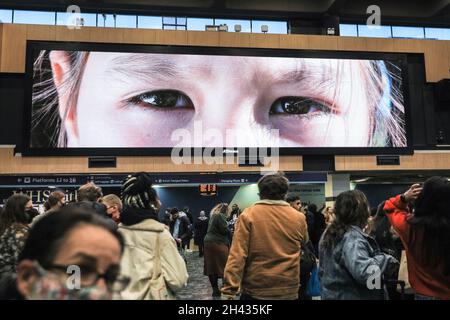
(158, 289)
(313, 287)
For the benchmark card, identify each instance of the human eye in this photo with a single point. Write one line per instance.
(298, 106)
(162, 99)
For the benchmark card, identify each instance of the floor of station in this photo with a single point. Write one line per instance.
(198, 287)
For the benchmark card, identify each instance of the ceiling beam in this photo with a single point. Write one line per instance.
(336, 6)
(442, 8)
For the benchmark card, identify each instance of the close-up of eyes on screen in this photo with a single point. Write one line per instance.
(93, 99)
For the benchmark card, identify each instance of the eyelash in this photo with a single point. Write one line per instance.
(175, 99)
(282, 107)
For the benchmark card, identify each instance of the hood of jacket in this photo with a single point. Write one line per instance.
(131, 216)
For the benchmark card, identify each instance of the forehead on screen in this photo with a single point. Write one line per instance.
(278, 68)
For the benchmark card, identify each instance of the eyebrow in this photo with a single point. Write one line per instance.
(86, 257)
(146, 66)
(316, 73)
(157, 68)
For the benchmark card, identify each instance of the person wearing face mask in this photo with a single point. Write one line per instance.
(14, 221)
(60, 246)
(55, 201)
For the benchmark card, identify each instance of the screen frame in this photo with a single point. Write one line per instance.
(34, 46)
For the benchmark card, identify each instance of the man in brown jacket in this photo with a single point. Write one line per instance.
(264, 260)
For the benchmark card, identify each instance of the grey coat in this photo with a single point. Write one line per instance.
(348, 270)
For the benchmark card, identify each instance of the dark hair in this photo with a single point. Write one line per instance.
(351, 209)
(137, 191)
(53, 199)
(292, 197)
(46, 206)
(374, 211)
(380, 228)
(432, 218)
(312, 208)
(48, 234)
(14, 211)
(174, 210)
(273, 186)
(89, 192)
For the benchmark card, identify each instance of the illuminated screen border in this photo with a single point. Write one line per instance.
(33, 47)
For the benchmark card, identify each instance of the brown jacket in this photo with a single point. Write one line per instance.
(264, 260)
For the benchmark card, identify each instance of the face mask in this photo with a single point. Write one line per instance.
(31, 213)
(52, 287)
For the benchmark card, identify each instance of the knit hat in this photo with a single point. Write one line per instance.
(137, 191)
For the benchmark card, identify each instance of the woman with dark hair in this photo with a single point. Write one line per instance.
(318, 226)
(425, 233)
(351, 263)
(216, 246)
(13, 231)
(381, 230)
(55, 201)
(384, 234)
(150, 251)
(61, 245)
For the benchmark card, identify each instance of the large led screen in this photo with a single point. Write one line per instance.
(91, 96)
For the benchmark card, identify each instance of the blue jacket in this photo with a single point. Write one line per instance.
(347, 271)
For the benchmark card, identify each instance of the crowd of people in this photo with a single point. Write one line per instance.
(277, 248)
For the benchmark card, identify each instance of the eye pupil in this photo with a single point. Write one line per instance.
(163, 99)
(296, 106)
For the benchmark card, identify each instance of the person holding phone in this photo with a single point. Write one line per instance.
(425, 233)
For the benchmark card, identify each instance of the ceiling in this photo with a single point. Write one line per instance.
(406, 12)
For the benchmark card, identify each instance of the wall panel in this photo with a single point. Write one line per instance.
(323, 43)
(436, 50)
(418, 161)
(10, 164)
(205, 38)
(13, 48)
(12, 59)
(295, 41)
(230, 39)
(1, 42)
(352, 44)
(41, 33)
(379, 44)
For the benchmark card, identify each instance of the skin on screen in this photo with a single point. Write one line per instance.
(139, 100)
